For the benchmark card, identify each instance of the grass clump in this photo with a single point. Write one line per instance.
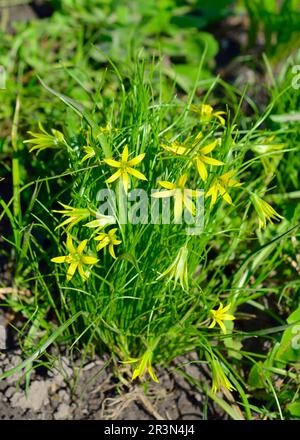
(113, 173)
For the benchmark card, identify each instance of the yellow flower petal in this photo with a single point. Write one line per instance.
(116, 242)
(130, 361)
(226, 308)
(89, 260)
(101, 245)
(136, 160)
(112, 232)
(211, 161)
(178, 206)
(166, 184)
(71, 270)
(72, 220)
(82, 273)
(209, 148)
(163, 194)
(101, 221)
(114, 177)
(90, 153)
(81, 246)
(213, 324)
(67, 208)
(70, 245)
(112, 163)
(227, 317)
(226, 179)
(175, 148)
(112, 251)
(59, 259)
(189, 205)
(226, 176)
(125, 154)
(152, 374)
(136, 174)
(219, 117)
(201, 169)
(222, 325)
(213, 192)
(182, 180)
(125, 181)
(226, 197)
(100, 236)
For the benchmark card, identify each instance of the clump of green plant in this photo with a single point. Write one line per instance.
(147, 291)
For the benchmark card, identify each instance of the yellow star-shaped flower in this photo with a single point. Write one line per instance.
(178, 269)
(74, 215)
(75, 259)
(220, 315)
(144, 366)
(90, 152)
(219, 379)
(219, 187)
(200, 157)
(264, 211)
(125, 168)
(108, 239)
(206, 113)
(182, 196)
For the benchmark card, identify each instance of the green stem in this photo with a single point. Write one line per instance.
(16, 177)
(15, 163)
